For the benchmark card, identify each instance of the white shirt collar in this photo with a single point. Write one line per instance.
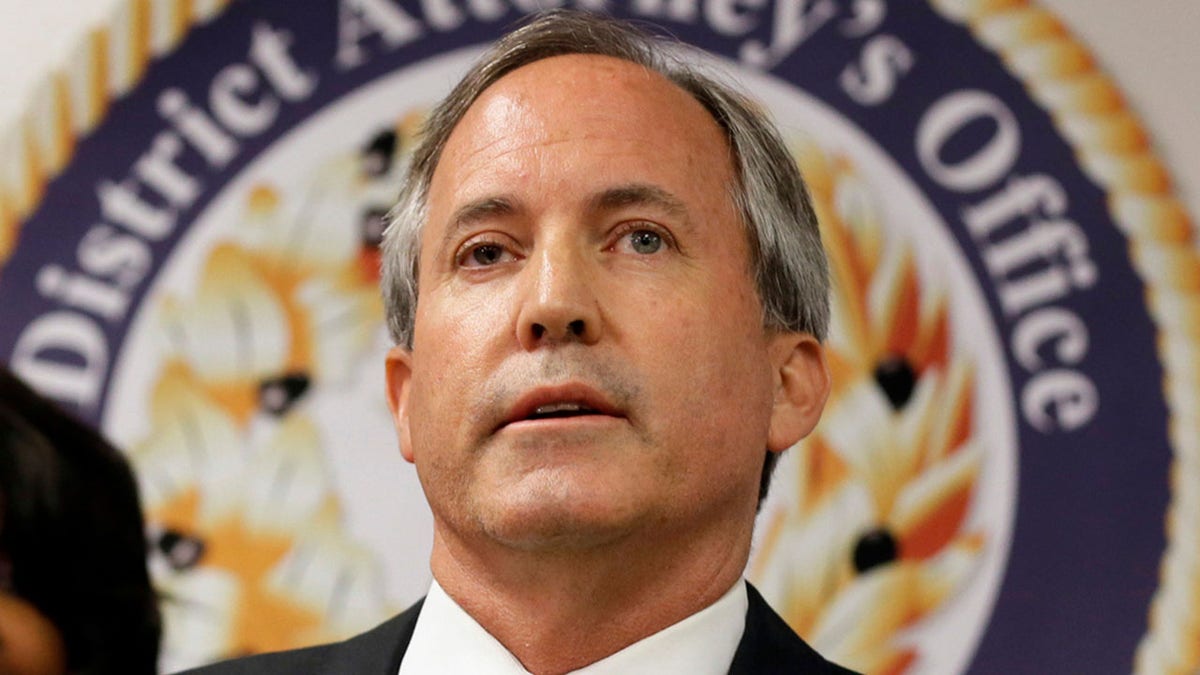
(447, 640)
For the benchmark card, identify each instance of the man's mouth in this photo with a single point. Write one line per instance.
(565, 409)
(561, 402)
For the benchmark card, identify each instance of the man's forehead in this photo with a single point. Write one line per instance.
(579, 86)
(566, 73)
(583, 96)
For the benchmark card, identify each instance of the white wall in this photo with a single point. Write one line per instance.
(1149, 47)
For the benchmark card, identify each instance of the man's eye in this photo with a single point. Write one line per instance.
(645, 242)
(483, 255)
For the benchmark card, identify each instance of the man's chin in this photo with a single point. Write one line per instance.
(566, 525)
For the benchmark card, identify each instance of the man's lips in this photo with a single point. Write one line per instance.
(561, 401)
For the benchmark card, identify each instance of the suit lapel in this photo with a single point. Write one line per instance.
(379, 651)
(770, 647)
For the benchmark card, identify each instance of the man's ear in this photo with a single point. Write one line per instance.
(801, 388)
(399, 377)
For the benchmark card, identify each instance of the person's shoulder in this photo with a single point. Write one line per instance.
(307, 660)
(377, 652)
(769, 646)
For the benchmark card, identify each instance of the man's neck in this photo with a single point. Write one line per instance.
(557, 611)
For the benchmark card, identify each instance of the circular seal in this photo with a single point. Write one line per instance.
(189, 227)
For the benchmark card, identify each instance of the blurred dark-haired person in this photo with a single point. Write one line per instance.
(75, 595)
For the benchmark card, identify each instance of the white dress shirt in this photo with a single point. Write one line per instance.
(446, 640)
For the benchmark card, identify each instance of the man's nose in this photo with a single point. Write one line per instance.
(559, 302)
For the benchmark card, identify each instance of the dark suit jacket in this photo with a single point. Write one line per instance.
(768, 647)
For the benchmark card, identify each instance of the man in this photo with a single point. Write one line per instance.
(608, 293)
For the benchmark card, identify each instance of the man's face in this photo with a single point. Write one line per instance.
(588, 360)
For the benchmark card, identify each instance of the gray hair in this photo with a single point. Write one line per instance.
(787, 259)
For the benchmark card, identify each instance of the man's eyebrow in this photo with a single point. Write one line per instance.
(481, 209)
(639, 194)
(474, 211)
(611, 199)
